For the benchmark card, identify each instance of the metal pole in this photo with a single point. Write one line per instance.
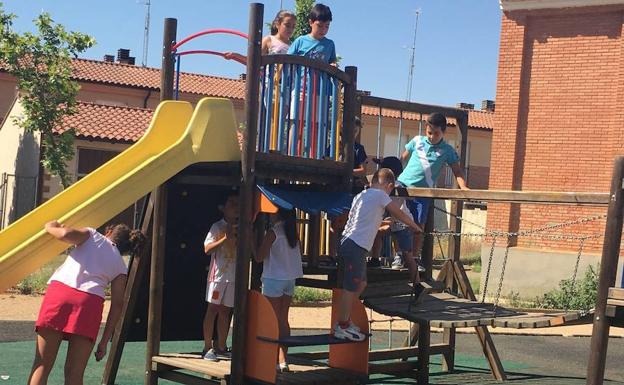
(608, 270)
(245, 225)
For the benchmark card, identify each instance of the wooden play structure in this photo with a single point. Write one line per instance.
(299, 117)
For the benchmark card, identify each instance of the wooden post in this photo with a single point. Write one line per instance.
(135, 277)
(348, 125)
(454, 244)
(424, 347)
(157, 272)
(246, 200)
(608, 270)
(167, 69)
(159, 229)
(487, 344)
(427, 246)
(314, 240)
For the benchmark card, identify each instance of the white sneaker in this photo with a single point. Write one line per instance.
(397, 263)
(210, 355)
(349, 333)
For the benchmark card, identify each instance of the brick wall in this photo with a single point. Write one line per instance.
(559, 120)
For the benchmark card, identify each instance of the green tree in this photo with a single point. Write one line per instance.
(302, 11)
(42, 64)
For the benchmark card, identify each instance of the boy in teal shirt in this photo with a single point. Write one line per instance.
(426, 155)
(315, 45)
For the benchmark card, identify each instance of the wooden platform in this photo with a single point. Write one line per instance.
(447, 311)
(304, 372)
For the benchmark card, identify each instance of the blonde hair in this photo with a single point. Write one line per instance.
(383, 175)
(281, 15)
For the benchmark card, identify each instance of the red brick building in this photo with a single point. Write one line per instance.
(559, 120)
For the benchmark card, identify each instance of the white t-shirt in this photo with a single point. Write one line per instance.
(367, 211)
(92, 265)
(396, 224)
(223, 263)
(283, 262)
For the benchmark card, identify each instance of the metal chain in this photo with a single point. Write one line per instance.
(556, 236)
(578, 221)
(487, 272)
(576, 266)
(437, 236)
(502, 275)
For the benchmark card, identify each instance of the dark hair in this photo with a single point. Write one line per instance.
(393, 163)
(281, 15)
(126, 240)
(290, 226)
(320, 12)
(438, 120)
(233, 193)
(384, 174)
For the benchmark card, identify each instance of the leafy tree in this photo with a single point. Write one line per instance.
(41, 62)
(302, 11)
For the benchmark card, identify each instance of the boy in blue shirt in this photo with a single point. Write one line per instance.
(427, 154)
(315, 45)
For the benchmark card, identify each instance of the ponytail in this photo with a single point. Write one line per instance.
(290, 226)
(127, 241)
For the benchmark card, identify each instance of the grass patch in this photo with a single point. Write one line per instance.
(308, 295)
(37, 282)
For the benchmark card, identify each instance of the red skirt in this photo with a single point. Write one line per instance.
(70, 311)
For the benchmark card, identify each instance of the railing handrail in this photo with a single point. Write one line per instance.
(307, 62)
(506, 196)
(400, 105)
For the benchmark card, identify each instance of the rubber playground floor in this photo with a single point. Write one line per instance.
(527, 359)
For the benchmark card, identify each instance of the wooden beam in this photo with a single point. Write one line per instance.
(616, 293)
(536, 197)
(136, 275)
(246, 196)
(487, 344)
(608, 271)
(411, 106)
(308, 63)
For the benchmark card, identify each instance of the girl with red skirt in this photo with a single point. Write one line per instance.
(72, 306)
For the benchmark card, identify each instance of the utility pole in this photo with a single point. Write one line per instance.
(410, 78)
(146, 29)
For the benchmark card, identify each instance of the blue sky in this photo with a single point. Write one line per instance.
(456, 46)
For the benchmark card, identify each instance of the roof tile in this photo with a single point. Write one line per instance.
(103, 122)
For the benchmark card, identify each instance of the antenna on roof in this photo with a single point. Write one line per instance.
(146, 32)
(410, 77)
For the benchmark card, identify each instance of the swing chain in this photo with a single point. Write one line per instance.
(487, 271)
(502, 274)
(576, 266)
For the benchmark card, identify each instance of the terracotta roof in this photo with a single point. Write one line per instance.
(476, 118)
(149, 78)
(102, 122)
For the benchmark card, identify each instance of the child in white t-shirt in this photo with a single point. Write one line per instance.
(280, 252)
(220, 243)
(366, 214)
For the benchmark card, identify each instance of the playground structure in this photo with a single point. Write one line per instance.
(291, 136)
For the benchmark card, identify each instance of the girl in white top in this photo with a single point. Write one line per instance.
(282, 29)
(72, 306)
(281, 253)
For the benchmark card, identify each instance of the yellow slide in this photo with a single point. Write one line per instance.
(176, 138)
